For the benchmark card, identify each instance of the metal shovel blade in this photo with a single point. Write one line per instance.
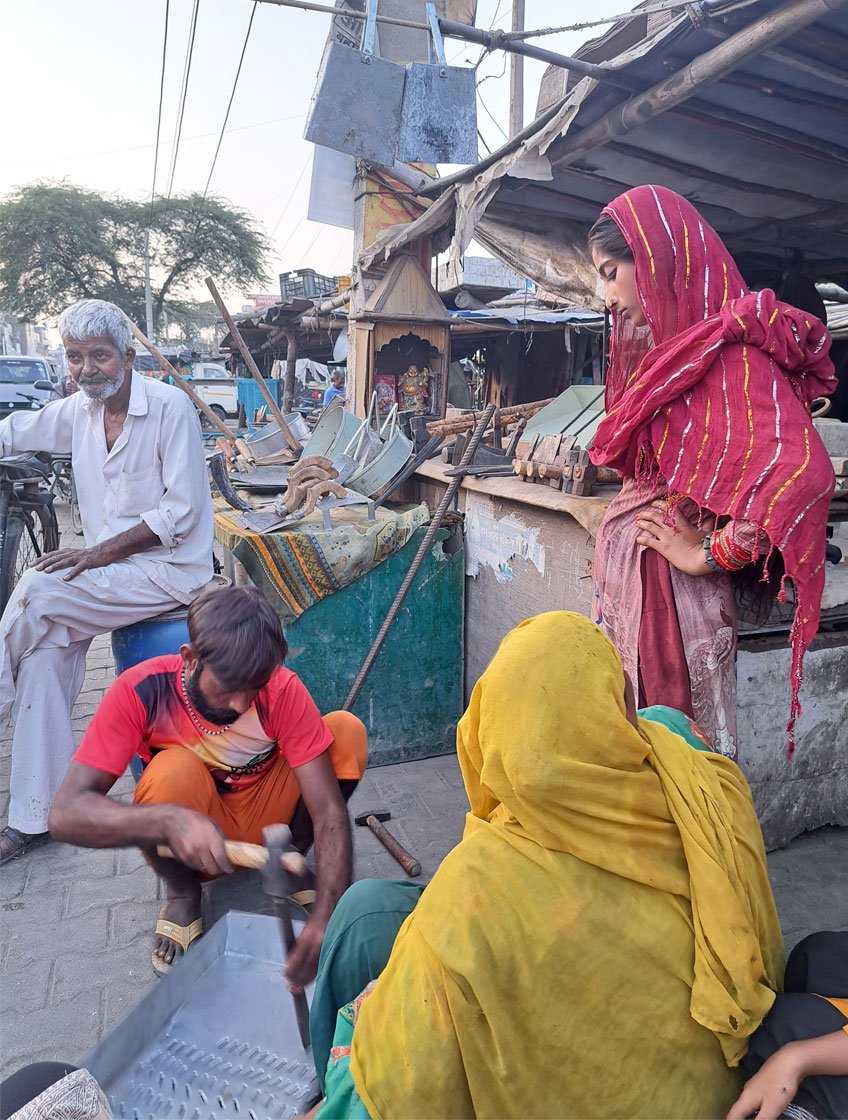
(438, 122)
(356, 105)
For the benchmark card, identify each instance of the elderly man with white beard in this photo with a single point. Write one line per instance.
(146, 510)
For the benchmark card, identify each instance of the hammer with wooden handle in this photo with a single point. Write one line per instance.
(250, 855)
(372, 820)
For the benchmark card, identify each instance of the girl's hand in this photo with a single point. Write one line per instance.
(682, 544)
(772, 1087)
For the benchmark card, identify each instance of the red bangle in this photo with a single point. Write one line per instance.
(729, 555)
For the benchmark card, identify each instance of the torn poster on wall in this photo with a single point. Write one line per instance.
(493, 542)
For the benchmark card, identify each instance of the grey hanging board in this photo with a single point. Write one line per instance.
(438, 123)
(357, 101)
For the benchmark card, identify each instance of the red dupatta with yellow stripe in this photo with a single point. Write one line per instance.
(715, 395)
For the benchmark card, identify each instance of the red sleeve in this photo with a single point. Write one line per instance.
(294, 720)
(117, 729)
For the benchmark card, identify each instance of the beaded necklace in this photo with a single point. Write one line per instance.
(195, 719)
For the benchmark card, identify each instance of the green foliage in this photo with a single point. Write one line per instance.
(60, 243)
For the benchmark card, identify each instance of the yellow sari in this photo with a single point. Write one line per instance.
(604, 940)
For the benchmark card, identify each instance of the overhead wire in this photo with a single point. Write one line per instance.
(292, 194)
(159, 114)
(230, 102)
(658, 9)
(183, 97)
(193, 235)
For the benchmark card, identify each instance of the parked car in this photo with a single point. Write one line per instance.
(18, 374)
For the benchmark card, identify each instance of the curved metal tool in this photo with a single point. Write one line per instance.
(218, 470)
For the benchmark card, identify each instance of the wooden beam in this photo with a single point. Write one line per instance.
(253, 368)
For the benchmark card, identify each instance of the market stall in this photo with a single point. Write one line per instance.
(740, 109)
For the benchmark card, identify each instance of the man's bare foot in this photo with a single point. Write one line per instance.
(182, 910)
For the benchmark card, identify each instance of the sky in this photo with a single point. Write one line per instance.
(87, 79)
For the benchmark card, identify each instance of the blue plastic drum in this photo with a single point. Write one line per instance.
(153, 637)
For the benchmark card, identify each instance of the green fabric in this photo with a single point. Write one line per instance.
(356, 948)
(678, 723)
(341, 1100)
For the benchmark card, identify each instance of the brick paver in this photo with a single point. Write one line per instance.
(76, 925)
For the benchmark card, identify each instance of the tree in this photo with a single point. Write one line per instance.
(60, 243)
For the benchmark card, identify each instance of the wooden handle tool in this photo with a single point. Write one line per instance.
(249, 855)
(186, 388)
(252, 366)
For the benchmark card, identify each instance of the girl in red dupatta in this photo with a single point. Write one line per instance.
(708, 420)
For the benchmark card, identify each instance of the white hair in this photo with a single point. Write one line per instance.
(90, 317)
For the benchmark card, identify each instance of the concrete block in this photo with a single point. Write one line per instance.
(48, 937)
(25, 990)
(13, 879)
(60, 1032)
(130, 922)
(138, 885)
(834, 434)
(60, 863)
(811, 790)
(73, 974)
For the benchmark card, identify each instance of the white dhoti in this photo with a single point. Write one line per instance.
(45, 633)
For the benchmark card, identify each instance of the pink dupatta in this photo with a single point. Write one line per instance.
(714, 404)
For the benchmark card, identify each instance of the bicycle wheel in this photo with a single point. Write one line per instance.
(29, 534)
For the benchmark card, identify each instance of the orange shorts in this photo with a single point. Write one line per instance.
(178, 777)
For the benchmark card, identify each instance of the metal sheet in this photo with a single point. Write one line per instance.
(356, 105)
(577, 411)
(331, 190)
(216, 1039)
(438, 123)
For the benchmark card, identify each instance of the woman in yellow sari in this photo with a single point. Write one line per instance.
(603, 941)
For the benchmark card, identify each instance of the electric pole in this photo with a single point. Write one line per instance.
(516, 75)
(148, 295)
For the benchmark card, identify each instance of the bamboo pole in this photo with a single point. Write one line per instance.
(252, 366)
(184, 385)
(456, 424)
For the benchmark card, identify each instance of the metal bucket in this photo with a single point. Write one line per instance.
(333, 432)
(269, 439)
(379, 472)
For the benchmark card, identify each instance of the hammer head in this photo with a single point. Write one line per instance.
(362, 818)
(278, 840)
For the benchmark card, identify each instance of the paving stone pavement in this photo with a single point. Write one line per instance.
(76, 924)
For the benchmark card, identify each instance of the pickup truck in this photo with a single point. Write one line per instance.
(214, 385)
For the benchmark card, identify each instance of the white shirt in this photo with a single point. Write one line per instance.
(155, 473)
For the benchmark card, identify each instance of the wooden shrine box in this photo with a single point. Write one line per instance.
(403, 324)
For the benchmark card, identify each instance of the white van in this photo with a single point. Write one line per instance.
(214, 384)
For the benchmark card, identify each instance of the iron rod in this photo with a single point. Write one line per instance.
(429, 537)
